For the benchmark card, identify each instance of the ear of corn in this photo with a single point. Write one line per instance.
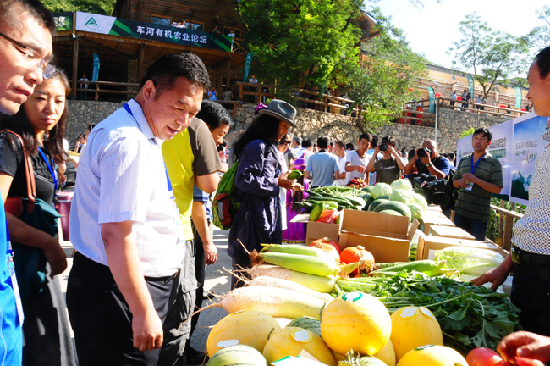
(302, 263)
(293, 249)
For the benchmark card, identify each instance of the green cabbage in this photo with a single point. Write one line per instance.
(402, 196)
(380, 189)
(470, 261)
(401, 185)
(416, 211)
(421, 200)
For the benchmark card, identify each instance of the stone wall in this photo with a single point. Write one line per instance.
(312, 124)
(83, 113)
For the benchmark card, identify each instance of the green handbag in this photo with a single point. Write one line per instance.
(30, 262)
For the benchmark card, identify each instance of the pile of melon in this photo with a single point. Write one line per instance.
(355, 329)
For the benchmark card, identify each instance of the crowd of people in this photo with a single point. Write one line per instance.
(140, 220)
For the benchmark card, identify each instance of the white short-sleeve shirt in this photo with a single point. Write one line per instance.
(121, 177)
(354, 159)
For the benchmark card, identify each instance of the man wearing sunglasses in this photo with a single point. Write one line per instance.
(26, 29)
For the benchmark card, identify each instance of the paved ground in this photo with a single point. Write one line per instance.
(217, 282)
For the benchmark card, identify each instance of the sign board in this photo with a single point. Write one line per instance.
(516, 143)
(103, 24)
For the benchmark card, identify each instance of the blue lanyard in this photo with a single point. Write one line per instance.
(472, 169)
(52, 172)
(127, 107)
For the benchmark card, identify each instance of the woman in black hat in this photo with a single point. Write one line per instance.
(258, 178)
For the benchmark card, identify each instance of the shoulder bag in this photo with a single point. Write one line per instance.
(30, 262)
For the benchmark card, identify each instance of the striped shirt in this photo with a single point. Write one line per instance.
(121, 177)
(532, 231)
(476, 204)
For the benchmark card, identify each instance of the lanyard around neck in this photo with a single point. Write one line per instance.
(472, 169)
(52, 171)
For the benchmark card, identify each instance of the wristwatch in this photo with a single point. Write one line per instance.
(429, 165)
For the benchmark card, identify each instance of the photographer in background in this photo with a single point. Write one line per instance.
(428, 161)
(388, 168)
(478, 176)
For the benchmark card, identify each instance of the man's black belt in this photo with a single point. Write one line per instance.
(520, 256)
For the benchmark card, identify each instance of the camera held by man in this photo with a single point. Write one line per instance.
(389, 167)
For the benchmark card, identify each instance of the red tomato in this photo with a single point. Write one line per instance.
(527, 362)
(482, 356)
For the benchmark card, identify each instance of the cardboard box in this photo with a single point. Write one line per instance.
(450, 232)
(434, 217)
(432, 243)
(387, 237)
(317, 230)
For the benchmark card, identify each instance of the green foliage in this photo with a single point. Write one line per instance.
(381, 84)
(539, 37)
(89, 6)
(301, 42)
(467, 132)
(494, 57)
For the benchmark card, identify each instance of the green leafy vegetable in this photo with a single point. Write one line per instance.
(381, 189)
(471, 261)
(401, 185)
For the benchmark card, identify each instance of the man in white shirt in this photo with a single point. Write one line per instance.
(297, 145)
(124, 285)
(307, 148)
(340, 151)
(356, 164)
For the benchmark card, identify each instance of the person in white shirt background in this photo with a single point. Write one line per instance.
(357, 161)
(340, 151)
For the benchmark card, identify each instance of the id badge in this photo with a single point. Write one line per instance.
(18, 304)
(469, 186)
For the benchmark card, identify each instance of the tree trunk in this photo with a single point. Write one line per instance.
(358, 123)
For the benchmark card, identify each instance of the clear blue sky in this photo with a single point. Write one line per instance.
(432, 29)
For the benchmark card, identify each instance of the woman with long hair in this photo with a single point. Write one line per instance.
(40, 123)
(258, 178)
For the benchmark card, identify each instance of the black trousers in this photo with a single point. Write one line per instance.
(101, 318)
(531, 293)
(200, 275)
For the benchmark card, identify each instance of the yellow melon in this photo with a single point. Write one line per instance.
(387, 354)
(414, 327)
(433, 356)
(356, 321)
(290, 341)
(249, 327)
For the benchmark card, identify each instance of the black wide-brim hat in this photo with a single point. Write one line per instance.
(282, 110)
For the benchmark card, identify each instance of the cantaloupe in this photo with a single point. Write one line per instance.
(387, 354)
(307, 323)
(290, 341)
(356, 321)
(433, 356)
(249, 328)
(414, 327)
(237, 355)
